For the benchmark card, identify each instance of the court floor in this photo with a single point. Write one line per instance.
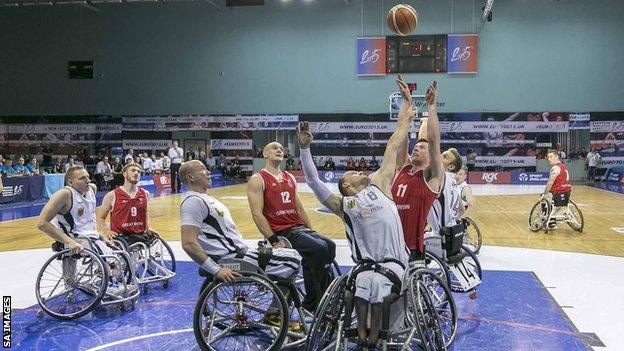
(556, 291)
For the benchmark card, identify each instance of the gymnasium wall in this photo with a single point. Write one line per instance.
(299, 57)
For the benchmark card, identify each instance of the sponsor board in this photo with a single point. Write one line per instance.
(477, 177)
(146, 144)
(606, 126)
(529, 177)
(66, 128)
(445, 127)
(325, 176)
(231, 144)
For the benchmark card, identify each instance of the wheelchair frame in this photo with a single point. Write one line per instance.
(567, 215)
(100, 296)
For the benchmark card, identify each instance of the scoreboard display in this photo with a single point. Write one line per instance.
(416, 54)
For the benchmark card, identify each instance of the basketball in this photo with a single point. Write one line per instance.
(402, 19)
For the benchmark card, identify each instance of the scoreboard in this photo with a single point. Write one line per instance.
(416, 54)
(438, 53)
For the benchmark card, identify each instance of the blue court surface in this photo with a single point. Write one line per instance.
(513, 311)
(612, 187)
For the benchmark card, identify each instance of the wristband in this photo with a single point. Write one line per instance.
(273, 239)
(210, 266)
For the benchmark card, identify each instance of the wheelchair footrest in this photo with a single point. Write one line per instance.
(456, 258)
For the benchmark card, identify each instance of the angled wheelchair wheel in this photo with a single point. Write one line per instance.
(70, 286)
(336, 272)
(537, 217)
(442, 300)
(575, 217)
(436, 264)
(233, 316)
(470, 262)
(473, 238)
(323, 333)
(427, 323)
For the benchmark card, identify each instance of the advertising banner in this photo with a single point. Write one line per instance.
(489, 177)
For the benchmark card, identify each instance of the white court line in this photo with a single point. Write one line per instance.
(123, 341)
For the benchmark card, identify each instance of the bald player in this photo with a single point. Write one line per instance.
(277, 210)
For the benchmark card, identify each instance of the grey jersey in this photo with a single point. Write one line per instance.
(219, 235)
(373, 227)
(445, 209)
(80, 219)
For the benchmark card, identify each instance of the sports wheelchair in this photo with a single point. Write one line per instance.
(71, 285)
(424, 308)
(472, 239)
(152, 258)
(544, 215)
(453, 261)
(231, 316)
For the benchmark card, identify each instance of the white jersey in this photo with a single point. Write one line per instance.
(445, 209)
(460, 189)
(219, 235)
(80, 220)
(373, 227)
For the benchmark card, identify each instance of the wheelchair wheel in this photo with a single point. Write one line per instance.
(537, 217)
(161, 253)
(470, 261)
(232, 316)
(442, 300)
(436, 265)
(330, 311)
(473, 238)
(70, 286)
(336, 271)
(575, 217)
(427, 321)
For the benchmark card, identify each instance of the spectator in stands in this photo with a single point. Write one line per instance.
(33, 166)
(129, 156)
(165, 161)
(222, 165)
(362, 166)
(10, 171)
(78, 161)
(200, 155)
(471, 159)
(593, 160)
(117, 167)
(350, 164)
(3, 169)
(320, 163)
(19, 168)
(145, 162)
(374, 164)
(290, 163)
(210, 161)
(156, 165)
(583, 153)
(47, 156)
(103, 172)
(561, 151)
(58, 166)
(70, 163)
(329, 164)
(573, 155)
(235, 168)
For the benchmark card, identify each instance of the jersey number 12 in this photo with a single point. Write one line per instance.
(285, 197)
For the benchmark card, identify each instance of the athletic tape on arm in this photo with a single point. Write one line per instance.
(321, 191)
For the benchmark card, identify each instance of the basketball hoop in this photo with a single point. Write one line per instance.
(394, 103)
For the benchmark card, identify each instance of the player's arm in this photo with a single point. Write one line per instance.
(191, 212)
(554, 172)
(59, 203)
(384, 176)
(100, 216)
(469, 200)
(255, 197)
(435, 171)
(321, 191)
(302, 212)
(403, 152)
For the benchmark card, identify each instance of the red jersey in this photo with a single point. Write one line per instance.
(562, 181)
(129, 215)
(280, 207)
(413, 199)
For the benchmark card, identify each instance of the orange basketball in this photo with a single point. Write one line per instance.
(402, 19)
